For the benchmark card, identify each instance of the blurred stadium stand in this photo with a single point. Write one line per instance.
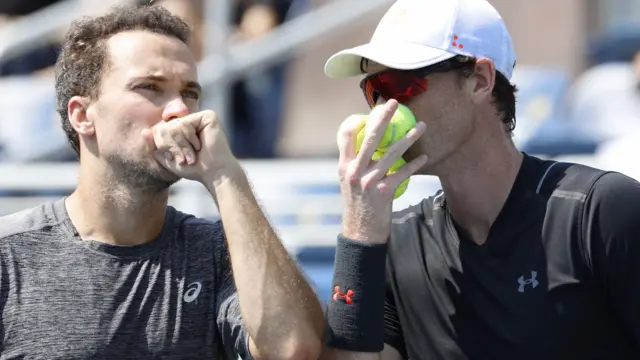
(563, 111)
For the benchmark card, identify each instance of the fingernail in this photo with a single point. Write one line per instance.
(179, 159)
(189, 159)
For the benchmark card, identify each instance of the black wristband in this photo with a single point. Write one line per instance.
(355, 313)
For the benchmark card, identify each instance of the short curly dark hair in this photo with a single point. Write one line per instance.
(84, 57)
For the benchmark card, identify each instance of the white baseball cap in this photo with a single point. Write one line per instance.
(418, 33)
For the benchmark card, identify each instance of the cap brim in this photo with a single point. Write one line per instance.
(346, 63)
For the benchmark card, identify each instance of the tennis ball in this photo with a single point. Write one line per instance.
(397, 165)
(402, 121)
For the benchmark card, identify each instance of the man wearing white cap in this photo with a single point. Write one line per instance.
(517, 257)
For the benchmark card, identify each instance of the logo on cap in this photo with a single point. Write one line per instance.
(455, 42)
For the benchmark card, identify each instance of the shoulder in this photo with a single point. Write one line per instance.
(613, 187)
(569, 184)
(610, 228)
(614, 198)
(607, 203)
(422, 211)
(412, 226)
(594, 186)
(30, 220)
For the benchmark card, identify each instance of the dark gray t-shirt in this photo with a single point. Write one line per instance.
(62, 297)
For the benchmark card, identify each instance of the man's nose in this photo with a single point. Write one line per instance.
(175, 109)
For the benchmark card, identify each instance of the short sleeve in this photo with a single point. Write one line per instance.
(233, 334)
(612, 232)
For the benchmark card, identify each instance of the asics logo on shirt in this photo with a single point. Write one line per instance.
(193, 290)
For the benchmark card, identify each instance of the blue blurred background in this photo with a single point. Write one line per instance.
(262, 66)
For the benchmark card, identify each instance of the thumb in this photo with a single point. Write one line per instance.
(348, 134)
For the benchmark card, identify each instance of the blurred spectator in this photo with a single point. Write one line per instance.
(18, 140)
(617, 151)
(40, 58)
(257, 98)
(619, 44)
(30, 128)
(605, 100)
(191, 12)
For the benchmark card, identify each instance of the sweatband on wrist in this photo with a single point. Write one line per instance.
(355, 313)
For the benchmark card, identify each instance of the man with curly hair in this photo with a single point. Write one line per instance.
(112, 271)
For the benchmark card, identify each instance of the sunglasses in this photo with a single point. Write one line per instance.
(402, 85)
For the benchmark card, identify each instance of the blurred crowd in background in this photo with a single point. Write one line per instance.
(578, 74)
(255, 102)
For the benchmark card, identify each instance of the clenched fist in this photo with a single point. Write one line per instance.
(193, 147)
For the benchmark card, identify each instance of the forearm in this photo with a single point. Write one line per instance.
(281, 312)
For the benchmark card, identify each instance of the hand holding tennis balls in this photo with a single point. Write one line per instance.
(402, 121)
(366, 188)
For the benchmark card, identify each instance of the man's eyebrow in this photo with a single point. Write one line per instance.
(194, 85)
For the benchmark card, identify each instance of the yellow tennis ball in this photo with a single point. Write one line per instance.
(397, 165)
(402, 121)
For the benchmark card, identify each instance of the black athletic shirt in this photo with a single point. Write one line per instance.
(557, 278)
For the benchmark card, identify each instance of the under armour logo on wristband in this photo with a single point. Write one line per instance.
(340, 295)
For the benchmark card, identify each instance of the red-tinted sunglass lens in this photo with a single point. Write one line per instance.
(393, 85)
(370, 93)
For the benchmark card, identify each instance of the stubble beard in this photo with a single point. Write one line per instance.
(146, 176)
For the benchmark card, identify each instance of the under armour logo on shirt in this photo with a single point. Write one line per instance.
(531, 281)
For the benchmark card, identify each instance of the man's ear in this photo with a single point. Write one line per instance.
(485, 77)
(77, 109)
